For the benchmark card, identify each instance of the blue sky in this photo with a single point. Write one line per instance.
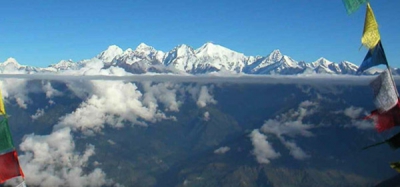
(43, 32)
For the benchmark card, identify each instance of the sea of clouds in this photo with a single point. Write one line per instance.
(115, 98)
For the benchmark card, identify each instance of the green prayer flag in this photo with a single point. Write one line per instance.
(394, 142)
(353, 5)
(6, 142)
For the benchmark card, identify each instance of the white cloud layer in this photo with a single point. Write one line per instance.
(362, 124)
(116, 102)
(118, 74)
(15, 89)
(162, 92)
(263, 150)
(294, 150)
(202, 95)
(110, 98)
(51, 160)
(290, 128)
(49, 90)
(291, 124)
(39, 112)
(352, 112)
(206, 116)
(222, 150)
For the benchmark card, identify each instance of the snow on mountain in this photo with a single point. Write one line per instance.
(321, 62)
(348, 67)
(181, 58)
(143, 53)
(141, 60)
(275, 63)
(12, 66)
(264, 62)
(184, 59)
(108, 55)
(215, 57)
(149, 53)
(11, 62)
(375, 71)
(252, 59)
(325, 66)
(65, 65)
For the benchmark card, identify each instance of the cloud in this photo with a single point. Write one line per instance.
(295, 151)
(291, 124)
(51, 160)
(352, 112)
(290, 128)
(307, 103)
(363, 125)
(15, 89)
(205, 97)
(111, 98)
(113, 103)
(13, 82)
(162, 92)
(222, 150)
(263, 150)
(39, 112)
(49, 90)
(21, 103)
(116, 102)
(206, 116)
(201, 95)
(305, 108)
(118, 74)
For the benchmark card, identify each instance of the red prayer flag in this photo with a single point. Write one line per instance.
(9, 166)
(386, 120)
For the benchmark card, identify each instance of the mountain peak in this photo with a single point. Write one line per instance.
(127, 51)
(11, 61)
(210, 57)
(276, 51)
(322, 61)
(209, 44)
(142, 46)
(275, 55)
(110, 53)
(183, 49)
(208, 47)
(64, 65)
(211, 49)
(113, 48)
(182, 46)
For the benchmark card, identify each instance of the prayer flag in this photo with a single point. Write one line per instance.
(394, 142)
(386, 120)
(9, 166)
(371, 36)
(374, 57)
(353, 5)
(385, 95)
(6, 143)
(2, 109)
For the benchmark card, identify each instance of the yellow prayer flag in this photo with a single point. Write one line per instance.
(2, 108)
(371, 34)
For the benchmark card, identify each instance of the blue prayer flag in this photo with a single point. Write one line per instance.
(374, 57)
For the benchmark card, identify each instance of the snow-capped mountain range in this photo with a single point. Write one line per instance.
(184, 59)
